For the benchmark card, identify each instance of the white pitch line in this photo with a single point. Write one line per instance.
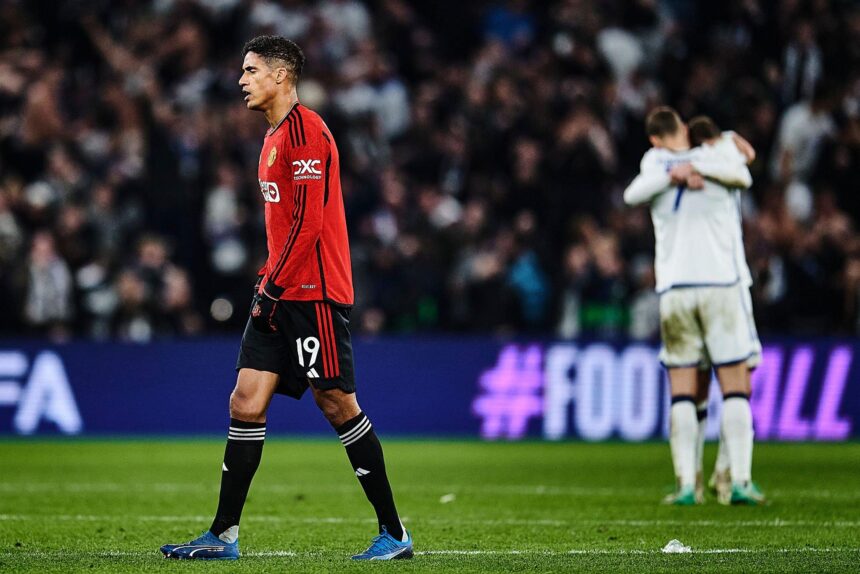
(626, 552)
(513, 489)
(530, 552)
(120, 554)
(775, 523)
(61, 554)
(271, 554)
(436, 490)
(169, 518)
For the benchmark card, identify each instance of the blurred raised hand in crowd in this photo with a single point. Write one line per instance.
(483, 158)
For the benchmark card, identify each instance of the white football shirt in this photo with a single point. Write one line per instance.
(726, 146)
(696, 231)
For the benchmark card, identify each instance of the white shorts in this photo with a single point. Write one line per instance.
(708, 327)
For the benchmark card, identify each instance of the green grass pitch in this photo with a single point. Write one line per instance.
(106, 506)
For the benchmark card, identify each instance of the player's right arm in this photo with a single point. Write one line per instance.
(653, 179)
(743, 146)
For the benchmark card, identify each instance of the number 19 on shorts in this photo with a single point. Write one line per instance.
(309, 345)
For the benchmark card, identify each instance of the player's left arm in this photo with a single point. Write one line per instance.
(723, 170)
(310, 166)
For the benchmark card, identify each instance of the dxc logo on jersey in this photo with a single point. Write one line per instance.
(270, 191)
(307, 169)
(44, 395)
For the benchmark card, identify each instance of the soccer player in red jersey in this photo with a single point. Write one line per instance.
(297, 336)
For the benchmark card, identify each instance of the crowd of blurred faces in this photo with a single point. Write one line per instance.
(484, 149)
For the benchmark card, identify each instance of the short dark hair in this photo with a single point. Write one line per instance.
(278, 48)
(702, 129)
(662, 121)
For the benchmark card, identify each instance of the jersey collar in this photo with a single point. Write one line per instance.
(277, 125)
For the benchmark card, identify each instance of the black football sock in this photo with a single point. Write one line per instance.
(241, 459)
(365, 454)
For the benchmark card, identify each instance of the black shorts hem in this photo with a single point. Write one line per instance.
(329, 384)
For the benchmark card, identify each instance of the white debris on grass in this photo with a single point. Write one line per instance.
(446, 498)
(675, 546)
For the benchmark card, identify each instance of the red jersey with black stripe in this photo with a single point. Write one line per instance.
(299, 175)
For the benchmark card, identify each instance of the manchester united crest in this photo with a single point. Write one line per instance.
(272, 155)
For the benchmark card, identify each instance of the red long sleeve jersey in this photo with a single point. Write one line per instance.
(299, 175)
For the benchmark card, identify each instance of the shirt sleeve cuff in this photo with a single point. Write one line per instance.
(271, 290)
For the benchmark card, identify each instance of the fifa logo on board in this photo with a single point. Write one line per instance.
(270, 191)
(39, 392)
(307, 169)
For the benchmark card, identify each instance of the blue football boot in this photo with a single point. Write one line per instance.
(205, 547)
(386, 547)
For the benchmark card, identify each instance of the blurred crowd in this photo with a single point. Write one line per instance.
(484, 147)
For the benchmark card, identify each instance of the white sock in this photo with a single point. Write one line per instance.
(737, 429)
(723, 463)
(230, 535)
(702, 417)
(682, 440)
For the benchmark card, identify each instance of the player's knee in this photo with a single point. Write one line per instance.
(733, 378)
(333, 410)
(245, 406)
(734, 387)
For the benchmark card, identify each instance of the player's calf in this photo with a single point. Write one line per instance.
(737, 428)
(365, 454)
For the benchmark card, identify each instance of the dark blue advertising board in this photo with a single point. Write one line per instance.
(480, 387)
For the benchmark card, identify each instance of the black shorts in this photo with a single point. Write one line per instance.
(312, 346)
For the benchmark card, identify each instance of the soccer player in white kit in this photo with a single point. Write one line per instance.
(703, 310)
(704, 132)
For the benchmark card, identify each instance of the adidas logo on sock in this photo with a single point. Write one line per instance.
(361, 472)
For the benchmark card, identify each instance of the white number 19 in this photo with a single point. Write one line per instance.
(311, 345)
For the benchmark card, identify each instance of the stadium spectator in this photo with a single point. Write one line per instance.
(802, 64)
(48, 308)
(482, 156)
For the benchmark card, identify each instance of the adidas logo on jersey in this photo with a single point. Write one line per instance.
(312, 374)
